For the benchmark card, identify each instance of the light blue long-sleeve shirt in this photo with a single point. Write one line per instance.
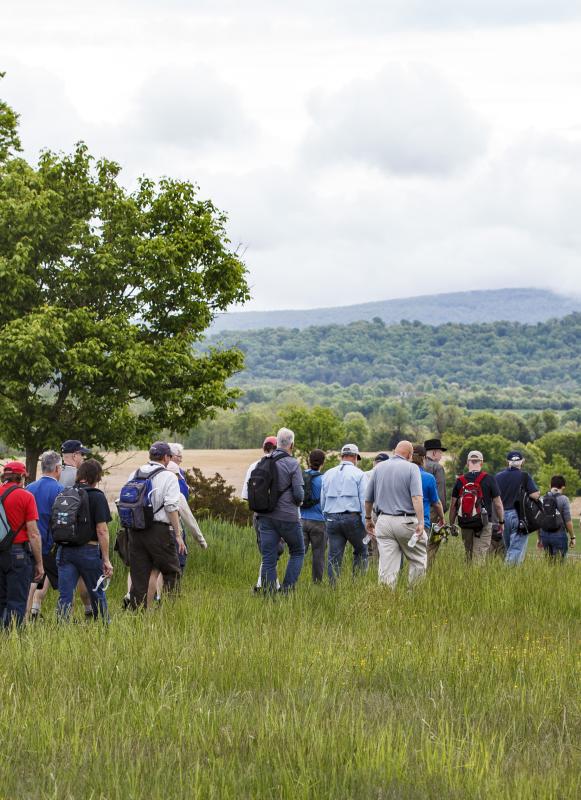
(343, 489)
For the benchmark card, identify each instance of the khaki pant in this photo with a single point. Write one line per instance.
(477, 543)
(393, 535)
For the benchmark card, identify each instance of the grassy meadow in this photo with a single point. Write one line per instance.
(467, 687)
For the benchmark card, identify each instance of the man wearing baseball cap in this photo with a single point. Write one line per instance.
(20, 546)
(73, 453)
(510, 481)
(477, 542)
(343, 505)
(154, 548)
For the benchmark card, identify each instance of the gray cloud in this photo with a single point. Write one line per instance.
(190, 108)
(403, 121)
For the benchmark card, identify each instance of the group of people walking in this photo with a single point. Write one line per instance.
(54, 533)
(396, 511)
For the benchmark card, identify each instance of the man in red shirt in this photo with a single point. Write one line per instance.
(20, 548)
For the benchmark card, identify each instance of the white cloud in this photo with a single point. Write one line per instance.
(406, 120)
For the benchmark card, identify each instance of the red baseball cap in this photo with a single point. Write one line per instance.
(269, 440)
(16, 467)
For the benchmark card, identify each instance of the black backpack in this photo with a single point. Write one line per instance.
(70, 518)
(530, 511)
(263, 488)
(309, 500)
(551, 519)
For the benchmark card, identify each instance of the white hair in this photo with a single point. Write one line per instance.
(176, 448)
(284, 438)
(49, 460)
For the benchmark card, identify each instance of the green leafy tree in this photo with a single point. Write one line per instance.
(9, 140)
(562, 443)
(356, 429)
(559, 466)
(105, 293)
(314, 428)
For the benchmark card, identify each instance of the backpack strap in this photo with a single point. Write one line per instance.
(479, 478)
(3, 497)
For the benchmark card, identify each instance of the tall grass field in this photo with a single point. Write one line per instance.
(467, 687)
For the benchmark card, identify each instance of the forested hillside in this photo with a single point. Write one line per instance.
(524, 305)
(501, 353)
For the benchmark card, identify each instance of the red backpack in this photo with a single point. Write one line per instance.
(472, 512)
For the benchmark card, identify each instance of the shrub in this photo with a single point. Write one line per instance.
(213, 497)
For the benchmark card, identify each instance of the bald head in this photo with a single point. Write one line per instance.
(404, 449)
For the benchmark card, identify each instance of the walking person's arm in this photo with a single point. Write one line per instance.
(36, 548)
(297, 485)
(418, 503)
(499, 508)
(362, 487)
(103, 537)
(439, 511)
(453, 510)
(369, 526)
(174, 521)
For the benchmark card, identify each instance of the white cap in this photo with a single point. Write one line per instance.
(350, 450)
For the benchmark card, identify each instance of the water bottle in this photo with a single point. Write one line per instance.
(367, 539)
(414, 539)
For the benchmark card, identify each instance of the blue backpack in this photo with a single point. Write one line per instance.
(134, 504)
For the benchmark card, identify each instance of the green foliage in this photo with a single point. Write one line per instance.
(105, 293)
(464, 688)
(313, 428)
(213, 497)
(356, 429)
(9, 139)
(471, 356)
(559, 466)
(563, 443)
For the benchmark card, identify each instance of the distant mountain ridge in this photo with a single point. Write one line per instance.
(494, 305)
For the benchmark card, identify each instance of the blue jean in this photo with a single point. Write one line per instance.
(271, 532)
(555, 544)
(16, 572)
(85, 562)
(515, 542)
(343, 528)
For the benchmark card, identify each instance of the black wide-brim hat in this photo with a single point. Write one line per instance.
(434, 444)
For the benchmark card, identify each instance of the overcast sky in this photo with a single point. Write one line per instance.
(362, 150)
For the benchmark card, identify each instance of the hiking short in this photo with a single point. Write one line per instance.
(51, 571)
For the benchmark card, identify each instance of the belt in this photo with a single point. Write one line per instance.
(399, 514)
(335, 513)
(22, 545)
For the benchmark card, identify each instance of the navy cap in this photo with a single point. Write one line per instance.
(381, 457)
(159, 450)
(514, 455)
(74, 446)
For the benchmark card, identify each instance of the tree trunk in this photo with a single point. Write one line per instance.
(32, 454)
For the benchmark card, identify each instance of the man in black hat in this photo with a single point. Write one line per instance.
(434, 452)
(509, 483)
(73, 454)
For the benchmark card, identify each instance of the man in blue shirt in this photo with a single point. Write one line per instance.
(509, 483)
(312, 518)
(429, 491)
(343, 506)
(45, 490)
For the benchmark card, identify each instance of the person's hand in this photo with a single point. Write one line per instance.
(441, 522)
(38, 572)
(203, 544)
(370, 527)
(107, 569)
(539, 545)
(420, 528)
(572, 541)
(181, 545)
